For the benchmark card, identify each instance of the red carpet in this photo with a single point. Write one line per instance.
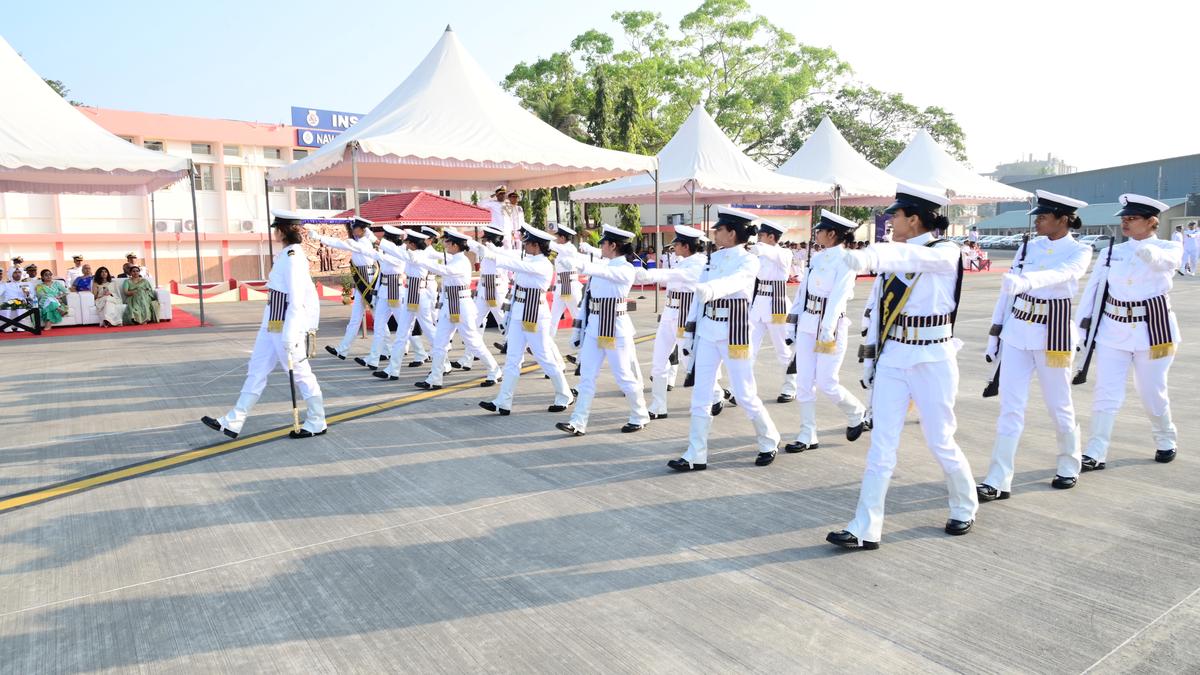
(180, 319)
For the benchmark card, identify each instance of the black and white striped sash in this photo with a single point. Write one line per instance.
(735, 311)
(1156, 312)
(564, 284)
(277, 302)
(1055, 315)
(533, 299)
(682, 302)
(909, 330)
(489, 288)
(777, 291)
(415, 284)
(392, 282)
(607, 310)
(454, 295)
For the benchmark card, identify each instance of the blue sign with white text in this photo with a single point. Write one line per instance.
(314, 138)
(325, 120)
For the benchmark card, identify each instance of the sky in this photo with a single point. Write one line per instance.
(1096, 83)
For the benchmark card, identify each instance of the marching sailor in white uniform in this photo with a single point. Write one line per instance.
(769, 309)
(389, 298)
(365, 275)
(292, 310)
(1126, 302)
(533, 275)
(416, 305)
(1191, 247)
(720, 322)
(1032, 332)
(493, 283)
(606, 333)
(457, 313)
(822, 332)
(916, 354)
(566, 282)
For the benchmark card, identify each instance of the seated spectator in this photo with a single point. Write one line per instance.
(141, 303)
(985, 263)
(52, 299)
(83, 282)
(31, 273)
(14, 289)
(125, 270)
(108, 306)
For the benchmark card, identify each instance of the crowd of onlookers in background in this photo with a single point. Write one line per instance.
(127, 299)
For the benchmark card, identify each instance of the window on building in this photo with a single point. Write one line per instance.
(156, 146)
(275, 189)
(273, 153)
(299, 154)
(443, 193)
(204, 177)
(233, 178)
(202, 148)
(321, 199)
(365, 196)
(233, 151)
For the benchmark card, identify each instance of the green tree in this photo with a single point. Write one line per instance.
(62, 90)
(475, 198)
(597, 116)
(539, 202)
(627, 114)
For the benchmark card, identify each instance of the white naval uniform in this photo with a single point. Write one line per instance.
(531, 277)
(680, 280)
(76, 272)
(730, 276)
(14, 290)
(829, 283)
(413, 273)
(274, 342)
(1054, 269)
(1131, 278)
(775, 263)
(608, 279)
(387, 307)
(456, 277)
(1191, 250)
(487, 266)
(925, 374)
(1181, 239)
(566, 298)
(361, 255)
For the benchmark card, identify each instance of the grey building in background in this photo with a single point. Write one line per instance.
(1175, 177)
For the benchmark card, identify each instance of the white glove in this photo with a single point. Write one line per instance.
(474, 245)
(1014, 284)
(1145, 254)
(868, 376)
(703, 293)
(857, 260)
(825, 335)
(295, 349)
(993, 348)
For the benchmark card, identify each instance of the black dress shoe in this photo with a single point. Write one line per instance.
(575, 393)
(958, 527)
(333, 351)
(631, 427)
(800, 447)
(216, 426)
(384, 357)
(852, 433)
(784, 398)
(414, 364)
(1164, 456)
(490, 383)
(556, 408)
(670, 387)
(426, 386)
(765, 458)
(492, 407)
(846, 540)
(729, 398)
(502, 346)
(682, 464)
(717, 408)
(658, 416)
(1064, 482)
(1089, 464)
(360, 360)
(987, 493)
(384, 376)
(566, 426)
(571, 358)
(305, 433)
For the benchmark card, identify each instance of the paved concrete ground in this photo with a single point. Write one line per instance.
(436, 538)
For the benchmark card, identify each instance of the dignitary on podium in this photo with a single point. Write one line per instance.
(362, 270)
(605, 332)
(769, 307)
(293, 309)
(457, 313)
(822, 331)
(719, 331)
(1126, 304)
(1032, 333)
(530, 318)
(911, 354)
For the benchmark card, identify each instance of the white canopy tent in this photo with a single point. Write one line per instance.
(828, 158)
(449, 126)
(701, 164)
(48, 147)
(925, 164)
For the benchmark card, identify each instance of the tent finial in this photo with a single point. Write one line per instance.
(449, 29)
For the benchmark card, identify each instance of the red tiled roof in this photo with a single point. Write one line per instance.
(419, 208)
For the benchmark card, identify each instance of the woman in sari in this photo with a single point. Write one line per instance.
(140, 299)
(108, 305)
(52, 298)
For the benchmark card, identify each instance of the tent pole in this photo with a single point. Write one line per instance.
(658, 233)
(196, 238)
(362, 327)
(270, 243)
(154, 239)
(557, 206)
(693, 194)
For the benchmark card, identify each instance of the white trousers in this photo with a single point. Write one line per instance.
(545, 354)
(357, 311)
(621, 361)
(710, 354)
(1150, 381)
(662, 372)
(268, 354)
(1191, 259)
(481, 307)
(779, 333)
(932, 387)
(381, 342)
(819, 372)
(404, 329)
(562, 306)
(468, 331)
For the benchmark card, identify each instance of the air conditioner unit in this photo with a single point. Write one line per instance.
(675, 219)
(247, 226)
(189, 226)
(166, 225)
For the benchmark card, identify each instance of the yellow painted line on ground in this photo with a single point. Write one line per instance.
(109, 476)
